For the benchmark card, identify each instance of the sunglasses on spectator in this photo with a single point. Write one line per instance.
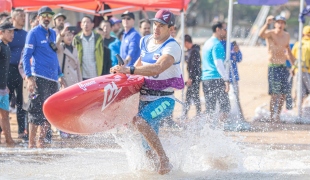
(128, 18)
(46, 15)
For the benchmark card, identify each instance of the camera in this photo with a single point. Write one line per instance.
(53, 46)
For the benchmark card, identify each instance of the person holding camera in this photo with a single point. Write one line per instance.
(42, 74)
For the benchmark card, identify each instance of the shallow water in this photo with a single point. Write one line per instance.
(195, 153)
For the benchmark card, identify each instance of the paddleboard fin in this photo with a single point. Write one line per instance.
(120, 60)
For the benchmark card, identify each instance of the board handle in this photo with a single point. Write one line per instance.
(120, 60)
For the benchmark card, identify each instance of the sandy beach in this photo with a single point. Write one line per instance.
(267, 144)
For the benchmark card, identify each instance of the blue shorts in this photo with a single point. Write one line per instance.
(153, 112)
(4, 102)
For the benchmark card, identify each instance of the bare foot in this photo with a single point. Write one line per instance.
(31, 144)
(10, 143)
(40, 143)
(277, 119)
(152, 158)
(164, 166)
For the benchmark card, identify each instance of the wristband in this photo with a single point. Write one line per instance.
(132, 69)
(60, 75)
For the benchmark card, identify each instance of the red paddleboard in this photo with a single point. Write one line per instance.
(95, 105)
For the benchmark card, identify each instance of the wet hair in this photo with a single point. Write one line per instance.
(16, 11)
(120, 33)
(105, 21)
(91, 20)
(188, 38)
(217, 25)
(144, 20)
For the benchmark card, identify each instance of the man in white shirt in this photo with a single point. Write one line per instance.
(159, 64)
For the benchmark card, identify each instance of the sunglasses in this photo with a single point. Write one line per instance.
(128, 18)
(33, 96)
(46, 15)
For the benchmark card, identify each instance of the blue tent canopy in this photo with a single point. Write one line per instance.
(262, 2)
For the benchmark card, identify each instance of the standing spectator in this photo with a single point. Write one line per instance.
(68, 57)
(214, 76)
(130, 50)
(116, 26)
(42, 74)
(3, 17)
(90, 49)
(6, 36)
(173, 31)
(68, 61)
(305, 57)
(145, 27)
(15, 80)
(33, 20)
(277, 41)
(193, 60)
(105, 27)
(115, 48)
(59, 21)
(235, 57)
(33, 23)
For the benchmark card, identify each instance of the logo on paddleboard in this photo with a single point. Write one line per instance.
(85, 85)
(110, 93)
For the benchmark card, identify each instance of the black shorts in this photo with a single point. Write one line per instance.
(45, 89)
(278, 80)
(214, 90)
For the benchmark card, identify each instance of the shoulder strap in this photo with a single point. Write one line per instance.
(63, 63)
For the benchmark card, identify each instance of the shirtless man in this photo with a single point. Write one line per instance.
(277, 41)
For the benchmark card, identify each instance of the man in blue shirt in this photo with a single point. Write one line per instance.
(130, 50)
(15, 81)
(214, 77)
(42, 73)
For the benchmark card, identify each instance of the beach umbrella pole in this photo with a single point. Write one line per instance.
(228, 49)
(299, 75)
(183, 47)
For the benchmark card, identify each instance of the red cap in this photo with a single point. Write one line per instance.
(164, 17)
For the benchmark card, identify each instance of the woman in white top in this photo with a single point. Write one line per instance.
(68, 57)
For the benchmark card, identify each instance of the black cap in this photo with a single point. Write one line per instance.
(60, 15)
(6, 26)
(128, 13)
(45, 9)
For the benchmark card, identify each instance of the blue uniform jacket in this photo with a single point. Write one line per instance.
(44, 59)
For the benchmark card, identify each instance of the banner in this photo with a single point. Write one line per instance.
(262, 2)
